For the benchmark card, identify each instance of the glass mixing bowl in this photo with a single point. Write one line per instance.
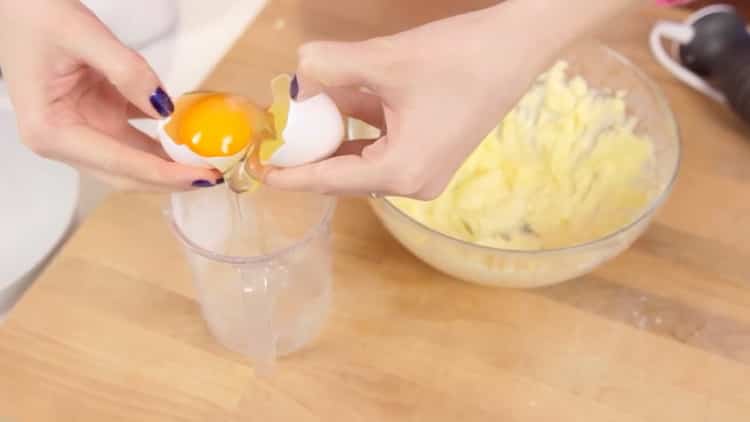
(603, 68)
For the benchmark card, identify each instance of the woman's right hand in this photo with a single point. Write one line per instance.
(434, 91)
(74, 87)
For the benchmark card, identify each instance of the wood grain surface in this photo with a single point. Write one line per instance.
(111, 331)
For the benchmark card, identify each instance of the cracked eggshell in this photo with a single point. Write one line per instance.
(314, 130)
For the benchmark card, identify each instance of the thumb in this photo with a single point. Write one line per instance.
(91, 41)
(335, 65)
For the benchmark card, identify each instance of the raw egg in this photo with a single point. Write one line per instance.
(212, 130)
(220, 130)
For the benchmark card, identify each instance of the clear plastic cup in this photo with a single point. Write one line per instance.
(261, 263)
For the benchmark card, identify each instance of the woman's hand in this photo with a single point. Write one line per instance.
(74, 86)
(436, 91)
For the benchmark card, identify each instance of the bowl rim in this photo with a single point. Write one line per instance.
(320, 228)
(662, 102)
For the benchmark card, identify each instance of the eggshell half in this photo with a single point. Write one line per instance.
(314, 131)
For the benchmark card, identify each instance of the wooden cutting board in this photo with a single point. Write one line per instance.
(111, 331)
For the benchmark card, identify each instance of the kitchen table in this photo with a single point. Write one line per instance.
(111, 330)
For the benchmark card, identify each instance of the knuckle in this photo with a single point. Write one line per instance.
(49, 25)
(86, 22)
(129, 68)
(406, 181)
(428, 193)
(36, 138)
(384, 63)
(40, 147)
(307, 55)
(307, 50)
(119, 184)
(436, 185)
(161, 172)
(113, 163)
(380, 47)
(321, 181)
(306, 65)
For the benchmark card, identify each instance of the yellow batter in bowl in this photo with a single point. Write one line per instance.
(564, 167)
(569, 179)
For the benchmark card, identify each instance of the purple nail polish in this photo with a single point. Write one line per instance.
(202, 184)
(294, 88)
(162, 103)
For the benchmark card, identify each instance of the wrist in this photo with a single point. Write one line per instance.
(552, 25)
(528, 35)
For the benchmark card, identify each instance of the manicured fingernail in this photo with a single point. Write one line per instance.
(294, 88)
(162, 103)
(202, 184)
(220, 181)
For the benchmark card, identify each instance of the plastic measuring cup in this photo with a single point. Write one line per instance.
(261, 264)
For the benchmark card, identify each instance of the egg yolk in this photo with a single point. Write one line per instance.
(214, 124)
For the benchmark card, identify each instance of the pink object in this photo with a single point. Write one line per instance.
(672, 2)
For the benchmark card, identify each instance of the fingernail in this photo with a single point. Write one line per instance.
(294, 88)
(202, 184)
(162, 103)
(220, 181)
